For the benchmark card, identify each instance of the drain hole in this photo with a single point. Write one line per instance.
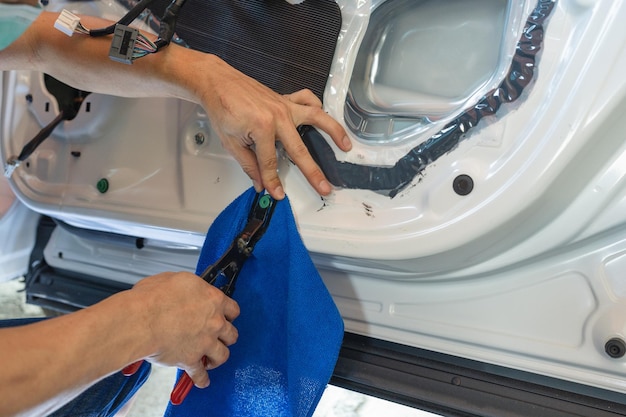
(463, 184)
(615, 348)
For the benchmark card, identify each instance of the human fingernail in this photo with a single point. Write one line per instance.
(257, 186)
(325, 187)
(203, 385)
(346, 142)
(280, 193)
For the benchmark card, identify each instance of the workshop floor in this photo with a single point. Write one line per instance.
(153, 396)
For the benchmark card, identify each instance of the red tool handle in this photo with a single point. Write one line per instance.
(132, 368)
(183, 386)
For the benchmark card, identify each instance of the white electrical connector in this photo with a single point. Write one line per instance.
(67, 22)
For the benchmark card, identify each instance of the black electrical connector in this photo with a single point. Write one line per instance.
(124, 38)
(123, 44)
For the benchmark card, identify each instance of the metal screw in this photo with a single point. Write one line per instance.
(29, 98)
(199, 138)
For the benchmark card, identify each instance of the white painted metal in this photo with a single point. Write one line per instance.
(527, 271)
(17, 229)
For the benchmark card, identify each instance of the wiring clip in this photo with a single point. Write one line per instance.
(10, 166)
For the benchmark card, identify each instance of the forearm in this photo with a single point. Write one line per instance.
(60, 357)
(83, 62)
(174, 319)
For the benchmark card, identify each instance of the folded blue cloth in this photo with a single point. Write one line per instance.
(290, 330)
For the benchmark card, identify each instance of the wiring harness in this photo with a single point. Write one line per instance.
(128, 44)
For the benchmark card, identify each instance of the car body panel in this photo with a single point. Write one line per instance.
(17, 227)
(524, 272)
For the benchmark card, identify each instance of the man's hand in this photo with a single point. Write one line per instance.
(187, 319)
(249, 118)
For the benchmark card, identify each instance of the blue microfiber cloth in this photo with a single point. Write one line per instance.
(290, 330)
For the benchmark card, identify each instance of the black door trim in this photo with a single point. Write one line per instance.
(453, 386)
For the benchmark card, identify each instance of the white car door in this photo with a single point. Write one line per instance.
(475, 241)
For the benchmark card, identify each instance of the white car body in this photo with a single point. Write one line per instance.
(527, 272)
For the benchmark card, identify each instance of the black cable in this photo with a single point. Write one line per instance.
(126, 20)
(69, 100)
(168, 23)
(43, 134)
